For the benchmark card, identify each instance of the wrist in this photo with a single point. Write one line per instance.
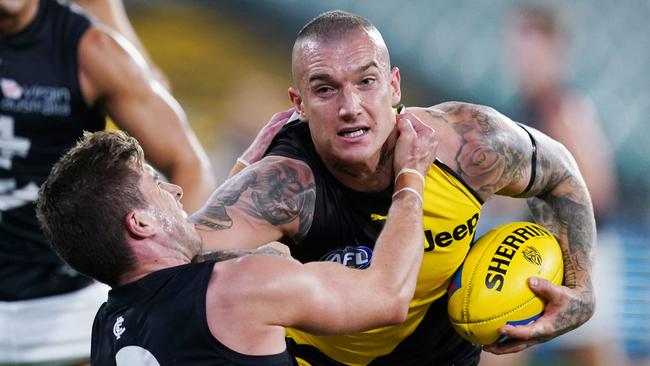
(242, 161)
(409, 191)
(410, 177)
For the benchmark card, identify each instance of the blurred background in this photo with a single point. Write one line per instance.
(229, 65)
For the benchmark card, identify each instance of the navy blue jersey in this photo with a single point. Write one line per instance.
(162, 318)
(42, 114)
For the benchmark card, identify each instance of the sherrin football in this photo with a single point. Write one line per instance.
(490, 289)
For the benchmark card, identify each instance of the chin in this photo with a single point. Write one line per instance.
(357, 158)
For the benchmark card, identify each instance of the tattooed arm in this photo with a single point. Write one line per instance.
(273, 248)
(559, 200)
(493, 155)
(271, 199)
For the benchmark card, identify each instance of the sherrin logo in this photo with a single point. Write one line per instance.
(532, 255)
(511, 244)
(351, 256)
(491, 289)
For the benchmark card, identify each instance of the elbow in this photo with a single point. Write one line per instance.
(398, 307)
(401, 311)
(587, 299)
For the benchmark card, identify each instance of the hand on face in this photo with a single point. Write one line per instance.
(416, 144)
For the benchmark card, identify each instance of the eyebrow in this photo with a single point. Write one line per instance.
(325, 76)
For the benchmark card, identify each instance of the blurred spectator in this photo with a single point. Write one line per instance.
(537, 39)
(60, 74)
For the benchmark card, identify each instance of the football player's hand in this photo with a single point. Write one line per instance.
(566, 309)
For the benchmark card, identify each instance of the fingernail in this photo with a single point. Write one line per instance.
(533, 282)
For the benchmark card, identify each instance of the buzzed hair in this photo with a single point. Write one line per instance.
(334, 24)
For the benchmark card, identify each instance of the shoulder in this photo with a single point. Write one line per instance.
(457, 114)
(109, 63)
(484, 147)
(103, 46)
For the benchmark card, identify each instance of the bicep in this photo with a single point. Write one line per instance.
(487, 150)
(325, 298)
(268, 200)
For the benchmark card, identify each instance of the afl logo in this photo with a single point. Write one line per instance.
(532, 255)
(353, 257)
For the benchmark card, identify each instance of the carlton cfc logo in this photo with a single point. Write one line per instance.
(353, 257)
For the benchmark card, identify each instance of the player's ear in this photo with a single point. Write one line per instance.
(296, 100)
(396, 91)
(139, 224)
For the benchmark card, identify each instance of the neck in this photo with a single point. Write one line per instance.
(145, 268)
(151, 257)
(14, 22)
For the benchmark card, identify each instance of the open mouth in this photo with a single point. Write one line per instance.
(355, 132)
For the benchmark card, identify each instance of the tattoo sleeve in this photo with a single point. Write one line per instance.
(489, 156)
(492, 155)
(563, 206)
(273, 191)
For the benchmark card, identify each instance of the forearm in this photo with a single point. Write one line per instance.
(399, 248)
(567, 211)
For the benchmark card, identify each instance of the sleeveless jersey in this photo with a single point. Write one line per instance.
(345, 227)
(161, 320)
(42, 114)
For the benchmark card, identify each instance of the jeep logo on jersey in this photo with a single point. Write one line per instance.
(353, 257)
(445, 238)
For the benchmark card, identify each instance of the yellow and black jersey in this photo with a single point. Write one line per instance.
(345, 227)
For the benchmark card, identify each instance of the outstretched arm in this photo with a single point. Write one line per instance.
(494, 155)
